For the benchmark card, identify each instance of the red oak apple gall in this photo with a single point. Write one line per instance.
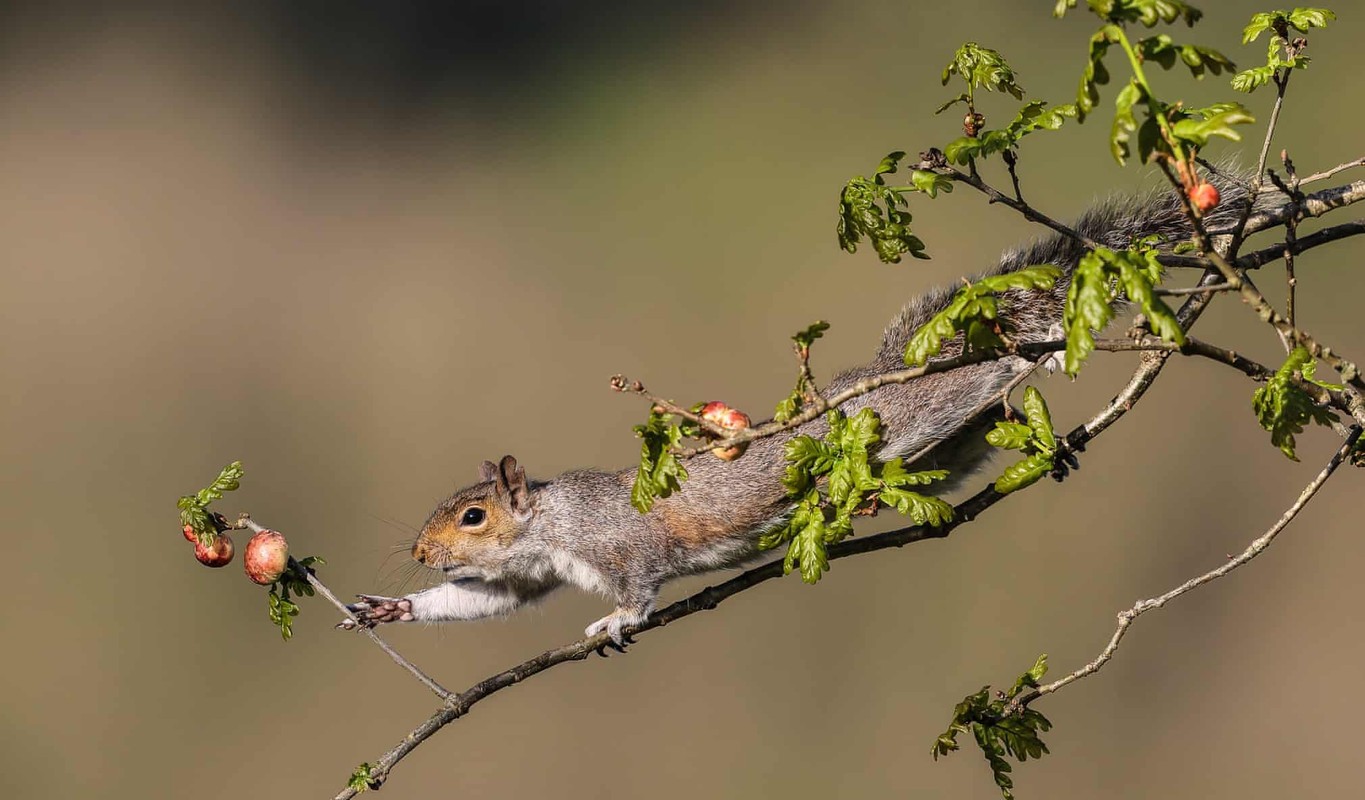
(190, 535)
(217, 554)
(1204, 196)
(731, 419)
(266, 557)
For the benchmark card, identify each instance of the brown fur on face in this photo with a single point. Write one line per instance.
(475, 526)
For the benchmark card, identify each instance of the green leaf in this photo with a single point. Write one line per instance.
(930, 182)
(1010, 435)
(973, 311)
(869, 209)
(194, 508)
(1252, 79)
(1039, 421)
(1124, 121)
(997, 735)
(1301, 19)
(788, 406)
(360, 778)
(1304, 18)
(1200, 124)
(1095, 73)
(807, 336)
(1023, 474)
(853, 484)
(982, 68)
(1161, 49)
(1283, 408)
(889, 164)
(921, 509)
(660, 473)
(1101, 277)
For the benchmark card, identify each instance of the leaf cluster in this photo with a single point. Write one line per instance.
(981, 68)
(871, 209)
(1034, 437)
(1278, 55)
(1035, 115)
(1147, 12)
(1017, 735)
(194, 507)
(661, 473)
(360, 778)
(1101, 277)
(853, 484)
(1284, 408)
(975, 313)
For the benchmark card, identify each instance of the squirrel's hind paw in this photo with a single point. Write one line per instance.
(373, 610)
(614, 624)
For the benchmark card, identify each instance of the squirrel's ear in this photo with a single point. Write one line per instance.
(511, 486)
(487, 471)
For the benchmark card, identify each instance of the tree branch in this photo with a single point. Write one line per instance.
(1254, 549)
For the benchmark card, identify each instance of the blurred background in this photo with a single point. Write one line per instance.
(363, 246)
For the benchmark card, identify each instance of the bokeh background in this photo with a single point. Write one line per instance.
(363, 246)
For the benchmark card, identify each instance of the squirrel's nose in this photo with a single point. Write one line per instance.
(419, 552)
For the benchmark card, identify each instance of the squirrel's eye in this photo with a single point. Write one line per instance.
(472, 516)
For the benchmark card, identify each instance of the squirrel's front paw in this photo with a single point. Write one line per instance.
(373, 610)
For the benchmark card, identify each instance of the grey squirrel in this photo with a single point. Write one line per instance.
(507, 541)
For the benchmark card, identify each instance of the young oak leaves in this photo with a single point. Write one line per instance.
(870, 208)
(1102, 277)
(1284, 409)
(854, 485)
(1034, 437)
(194, 507)
(998, 735)
(1170, 131)
(1281, 53)
(661, 472)
(982, 67)
(975, 312)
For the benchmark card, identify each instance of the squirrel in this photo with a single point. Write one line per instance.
(507, 541)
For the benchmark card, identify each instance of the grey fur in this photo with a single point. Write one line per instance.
(583, 530)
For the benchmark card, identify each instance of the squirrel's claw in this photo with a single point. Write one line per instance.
(614, 625)
(373, 610)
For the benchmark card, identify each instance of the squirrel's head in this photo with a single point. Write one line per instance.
(469, 535)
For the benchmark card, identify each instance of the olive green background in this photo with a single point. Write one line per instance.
(361, 258)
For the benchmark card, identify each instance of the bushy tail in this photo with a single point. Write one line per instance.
(1115, 223)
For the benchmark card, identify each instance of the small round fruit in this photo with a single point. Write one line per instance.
(217, 554)
(266, 557)
(731, 419)
(190, 535)
(1204, 196)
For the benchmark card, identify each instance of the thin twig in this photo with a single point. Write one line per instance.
(1327, 173)
(1258, 546)
(621, 383)
(245, 521)
(1028, 211)
(1213, 287)
(1291, 227)
(1281, 79)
